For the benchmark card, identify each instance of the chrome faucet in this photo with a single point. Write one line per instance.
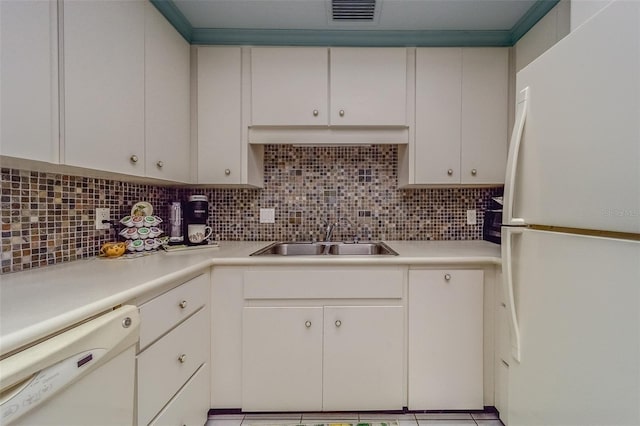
(328, 231)
(330, 226)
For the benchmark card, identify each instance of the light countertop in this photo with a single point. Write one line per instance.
(36, 303)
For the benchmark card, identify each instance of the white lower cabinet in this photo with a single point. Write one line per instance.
(363, 351)
(186, 407)
(445, 340)
(323, 339)
(315, 358)
(282, 359)
(173, 361)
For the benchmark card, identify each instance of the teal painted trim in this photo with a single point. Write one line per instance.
(529, 19)
(279, 37)
(171, 12)
(378, 38)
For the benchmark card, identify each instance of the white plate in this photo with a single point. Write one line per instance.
(141, 208)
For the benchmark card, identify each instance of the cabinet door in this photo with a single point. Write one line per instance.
(282, 359)
(368, 86)
(445, 339)
(29, 80)
(219, 115)
(484, 115)
(167, 100)
(438, 106)
(363, 358)
(226, 337)
(189, 407)
(289, 86)
(104, 85)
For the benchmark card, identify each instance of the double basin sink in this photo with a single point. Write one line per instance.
(325, 248)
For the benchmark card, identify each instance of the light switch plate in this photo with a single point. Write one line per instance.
(471, 217)
(267, 215)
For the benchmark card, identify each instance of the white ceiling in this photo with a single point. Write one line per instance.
(459, 15)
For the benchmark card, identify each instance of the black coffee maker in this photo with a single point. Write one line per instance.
(196, 213)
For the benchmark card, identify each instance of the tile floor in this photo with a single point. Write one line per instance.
(417, 419)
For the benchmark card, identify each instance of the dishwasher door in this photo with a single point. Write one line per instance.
(82, 376)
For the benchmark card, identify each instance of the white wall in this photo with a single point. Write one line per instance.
(552, 27)
(582, 10)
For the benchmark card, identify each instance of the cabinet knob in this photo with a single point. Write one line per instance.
(450, 172)
(341, 112)
(183, 304)
(307, 324)
(182, 358)
(315, 112)
(338, 323)
(134, 158)
(447, 277)
(160, 164)
(227, 172)
(474, 172)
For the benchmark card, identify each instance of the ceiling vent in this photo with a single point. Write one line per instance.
(353, 10)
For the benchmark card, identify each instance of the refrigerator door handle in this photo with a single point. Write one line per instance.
(512, 158)
(507, 280)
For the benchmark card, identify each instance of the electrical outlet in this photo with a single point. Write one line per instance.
(103, 214)
(471, 217)
(267, 215)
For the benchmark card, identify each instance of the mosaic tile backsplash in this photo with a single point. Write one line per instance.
(49, 218)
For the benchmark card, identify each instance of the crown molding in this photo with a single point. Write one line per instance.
(268, 37)
(529, 19)
(380, 38)
(171, 12)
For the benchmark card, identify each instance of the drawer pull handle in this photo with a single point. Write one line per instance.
(315, 112)
(341, 113)
(183, 304)
(134, 158)
(182, 358)
(450, 172)
(447, 277)
(227, 172)
(474, 172)
(160, 164)
(307, 324)
(338, 323)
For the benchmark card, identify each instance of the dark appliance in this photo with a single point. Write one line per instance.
(196, 212)
(492, 223)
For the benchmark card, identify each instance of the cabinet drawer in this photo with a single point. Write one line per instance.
(160, 369)
(191, 405)
(334, 283)
(158, 315)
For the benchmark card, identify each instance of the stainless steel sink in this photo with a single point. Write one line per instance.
(369, 249)
(324, 248)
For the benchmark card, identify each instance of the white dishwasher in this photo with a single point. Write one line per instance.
(81, 376)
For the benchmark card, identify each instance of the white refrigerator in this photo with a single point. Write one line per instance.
(570, 240)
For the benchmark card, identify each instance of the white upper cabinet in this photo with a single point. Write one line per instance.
(289, 86)
(484, 115)
(223, 154)
(438, 111)
(368, 86)
(29, 80)
(104, 85)
(313, 86)
(461, 117)
(167, 100)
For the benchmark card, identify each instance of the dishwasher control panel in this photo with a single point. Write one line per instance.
(45, 383)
